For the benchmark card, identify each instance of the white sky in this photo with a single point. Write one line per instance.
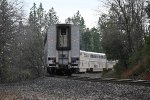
(67, 8)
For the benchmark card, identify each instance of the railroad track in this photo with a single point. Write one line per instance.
(107, 80)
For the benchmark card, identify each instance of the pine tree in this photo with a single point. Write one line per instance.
(33, 20)
(35, 43)
(78, 20)
(41, 18)
(51, 17)
(87, 40)
(96, 40)
(6, 37)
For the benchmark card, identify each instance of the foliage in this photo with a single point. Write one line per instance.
(87, 40)
(96, 40)
(15, 75)
(51, 17)
(122, 30)
(21, 45)
(35, 47)
(8, 19)
(138, 63)
(37, 28)
(119, 68)
(90, 39)
(142, 56)
(109, 74)
(78, 20)
(112, 38)
(147, 41)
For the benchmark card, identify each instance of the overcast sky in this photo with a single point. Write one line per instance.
(67, 8)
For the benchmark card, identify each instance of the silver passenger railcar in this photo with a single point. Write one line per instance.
(94, 62)
(62, 49)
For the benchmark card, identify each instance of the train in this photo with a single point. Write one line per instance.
(94, 62)
(62, 49)
(63, 55)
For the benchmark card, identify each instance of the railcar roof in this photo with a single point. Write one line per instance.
(64, 24)
(92, 52)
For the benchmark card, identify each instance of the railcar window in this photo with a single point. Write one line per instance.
(104, 57)
(64, 31)
(100, 57)
(94, 56)
(91, 56)
(86, 55)
(63, 37)
(95, 66)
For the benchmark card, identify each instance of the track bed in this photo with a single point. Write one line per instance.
(56, 88)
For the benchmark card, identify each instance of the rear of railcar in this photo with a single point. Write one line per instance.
(62, 49)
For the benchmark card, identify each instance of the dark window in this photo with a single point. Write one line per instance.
(86, 55)
(62, 55)
(64, 31)
(63, 37)
(95, 66)
(93, 56)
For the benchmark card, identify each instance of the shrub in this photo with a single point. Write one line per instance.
(147, 40)
(12, 75)
(119, 67)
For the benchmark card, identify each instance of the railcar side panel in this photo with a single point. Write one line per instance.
(51, 39)
(75, 48)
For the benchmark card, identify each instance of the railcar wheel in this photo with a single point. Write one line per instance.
(48, 70)
(51, 71)
(60, 72)
(69, 72)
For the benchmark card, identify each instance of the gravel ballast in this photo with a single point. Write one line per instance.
(51, 88)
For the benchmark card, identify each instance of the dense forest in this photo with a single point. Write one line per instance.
(125, 37)
(122, 33)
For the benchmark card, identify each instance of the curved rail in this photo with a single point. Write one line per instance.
(108, 80)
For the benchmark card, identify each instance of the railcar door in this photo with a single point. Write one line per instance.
(63, 44)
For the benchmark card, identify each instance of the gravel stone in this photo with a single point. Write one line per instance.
(51, 88)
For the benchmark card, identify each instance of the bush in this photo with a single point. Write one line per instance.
(12, 76)
(109, 74)
(147, 40)
(119, 67)
(25, 75)
(135, 58)
(142, 58)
